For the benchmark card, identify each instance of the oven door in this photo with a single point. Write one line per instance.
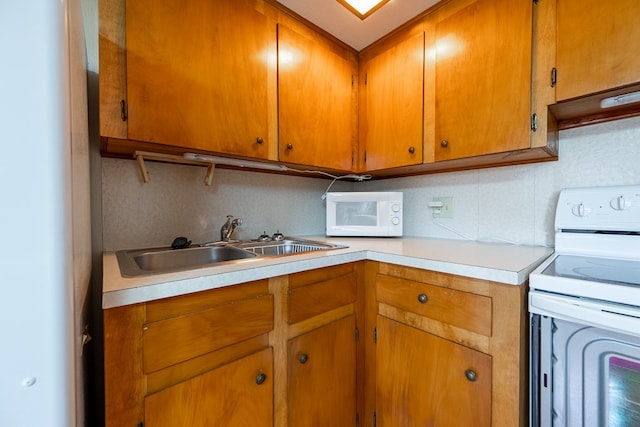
(584, 373)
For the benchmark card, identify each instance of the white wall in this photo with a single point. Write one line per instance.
(514, 203)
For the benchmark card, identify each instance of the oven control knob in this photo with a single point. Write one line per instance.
(581, 210)
(620, 203)
(395, 207)
(395, 220)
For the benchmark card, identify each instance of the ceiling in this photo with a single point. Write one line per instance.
(335, 19)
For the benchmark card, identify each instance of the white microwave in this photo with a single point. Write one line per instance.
(364, 214)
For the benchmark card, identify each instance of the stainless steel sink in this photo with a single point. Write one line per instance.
(139, 262)
(286, 247)
(163, 260)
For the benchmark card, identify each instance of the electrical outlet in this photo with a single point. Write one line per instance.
(446, 211)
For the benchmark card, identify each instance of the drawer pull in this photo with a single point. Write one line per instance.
(303, 358)
(261, 378)
(422, 298)
(471, 375)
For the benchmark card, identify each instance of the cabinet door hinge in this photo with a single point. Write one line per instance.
(124, 114)
(554, 76)
(366, 78)
(365, 156)
(357, 334)
(534, 122)
(536, 1)
(375, 335)
(374, 419)
(357, 420)
(140, 424)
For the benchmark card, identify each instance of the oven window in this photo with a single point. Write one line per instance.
(595, 376)
(624, 392)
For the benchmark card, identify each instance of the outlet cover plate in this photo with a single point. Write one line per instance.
(446, 211)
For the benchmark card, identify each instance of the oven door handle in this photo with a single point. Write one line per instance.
(599, 314)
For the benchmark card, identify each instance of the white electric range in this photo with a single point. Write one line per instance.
(585, 313)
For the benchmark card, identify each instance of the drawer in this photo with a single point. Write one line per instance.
(306, 299)
(177, 339)
(457, 308)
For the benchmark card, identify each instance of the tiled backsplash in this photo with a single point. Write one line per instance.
(175, 202)
(513, 203)
(517, 203)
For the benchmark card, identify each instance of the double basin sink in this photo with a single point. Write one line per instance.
(139, 262)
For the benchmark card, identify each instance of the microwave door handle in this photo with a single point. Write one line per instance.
(583, 312)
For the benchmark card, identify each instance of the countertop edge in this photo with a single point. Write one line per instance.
(123, 291)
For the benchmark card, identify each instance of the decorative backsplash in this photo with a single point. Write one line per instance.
(517, 203)
(512, 203)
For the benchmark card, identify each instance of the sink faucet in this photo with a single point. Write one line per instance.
(229, 227)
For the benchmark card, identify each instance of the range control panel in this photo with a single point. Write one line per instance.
(615, 208)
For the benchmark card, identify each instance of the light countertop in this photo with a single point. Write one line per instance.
(498, 262)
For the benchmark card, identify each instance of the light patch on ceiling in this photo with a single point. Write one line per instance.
(336, 20)
(363, 8)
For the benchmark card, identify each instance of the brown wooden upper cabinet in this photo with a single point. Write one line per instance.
(452, 89)
(197, 75)
(391, 104)
(317, 84)
(598, 45)
(482, 78)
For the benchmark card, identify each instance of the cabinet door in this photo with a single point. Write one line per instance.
(317, 102)
(423, 380)
(483, 79)
(393, 116)
(598, 45)
(322, 376)
(239, 394)
(197, 74)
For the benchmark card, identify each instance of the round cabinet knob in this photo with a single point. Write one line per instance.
(423, 298)
(303, 358)
(471, 375)
(261, 378)
(412, 150)
(444, 143)
(289, 146)
(620, 203)
(259, 140)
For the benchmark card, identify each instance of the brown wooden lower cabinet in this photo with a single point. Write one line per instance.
(322, 376)
(448, 350)
(191, 360)
(354, 344)
(424, 380)
(238, 394)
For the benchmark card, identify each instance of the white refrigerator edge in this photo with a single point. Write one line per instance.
(45, 260)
